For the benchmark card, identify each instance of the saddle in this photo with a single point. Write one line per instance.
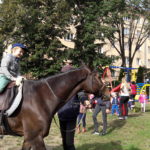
(7, 96)
(6, 100)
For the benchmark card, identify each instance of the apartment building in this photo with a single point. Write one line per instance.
(141, 58)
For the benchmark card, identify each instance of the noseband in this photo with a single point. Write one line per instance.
(103, 85)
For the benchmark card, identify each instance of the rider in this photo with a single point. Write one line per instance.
(10, 66)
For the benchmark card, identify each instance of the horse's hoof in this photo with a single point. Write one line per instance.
(1, 136)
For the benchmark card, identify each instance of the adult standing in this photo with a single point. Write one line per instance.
(67, 116)
(124, 98)
(133, 93)
(104, 106)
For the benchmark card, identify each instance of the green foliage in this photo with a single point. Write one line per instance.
(35, 24)
(140, 74)
(38, 23)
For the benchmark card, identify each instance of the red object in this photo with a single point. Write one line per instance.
(133, 89)
(116, 89)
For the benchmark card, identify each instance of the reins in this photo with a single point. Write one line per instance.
(49, 87)
(72, 129)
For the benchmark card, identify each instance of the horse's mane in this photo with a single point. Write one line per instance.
(57, 76)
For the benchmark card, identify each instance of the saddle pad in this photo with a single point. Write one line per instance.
(15, 103)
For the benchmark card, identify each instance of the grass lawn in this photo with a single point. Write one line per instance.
(130, 134)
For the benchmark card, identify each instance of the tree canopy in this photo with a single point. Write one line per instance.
(123, 28)
(39, 23)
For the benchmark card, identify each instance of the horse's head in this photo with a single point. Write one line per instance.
(95, 85)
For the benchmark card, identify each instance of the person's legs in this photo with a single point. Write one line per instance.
(84, 120)
(121, 106)
(117, 110)
(124, 106)
(68, 132)
(104, 117)
(144, 106)
(3, 83)
(79, 122)
(95, 113)
(84, 123)
(113, 109)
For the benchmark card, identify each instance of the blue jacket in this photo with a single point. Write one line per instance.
(115, 101)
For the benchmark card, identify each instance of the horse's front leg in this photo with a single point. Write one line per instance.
(38, 143)
(34, 144)
(26, 145)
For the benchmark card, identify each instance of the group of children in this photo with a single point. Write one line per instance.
(143, 100)
(114, 103)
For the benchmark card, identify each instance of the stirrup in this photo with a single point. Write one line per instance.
(1, 117)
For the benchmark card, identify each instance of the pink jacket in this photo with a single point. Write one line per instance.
(143, 98)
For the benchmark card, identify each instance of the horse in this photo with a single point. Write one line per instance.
(42, 98)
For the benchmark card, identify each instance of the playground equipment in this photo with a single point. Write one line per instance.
(140, 88)
(127, 70)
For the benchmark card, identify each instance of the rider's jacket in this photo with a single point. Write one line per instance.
(10, 66)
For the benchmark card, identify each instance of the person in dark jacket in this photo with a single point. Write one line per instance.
(67, 116)
(67, 119)
(103, 106)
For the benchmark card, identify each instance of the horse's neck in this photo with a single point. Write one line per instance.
(68, 84)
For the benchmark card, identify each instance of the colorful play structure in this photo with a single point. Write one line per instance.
(127, 70)
(140, 86)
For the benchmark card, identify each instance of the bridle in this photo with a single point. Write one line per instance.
(98, 80)
(50, 89)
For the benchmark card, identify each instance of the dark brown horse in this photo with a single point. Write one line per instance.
(42, 99)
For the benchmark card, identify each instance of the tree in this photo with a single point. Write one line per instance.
(122, 27)
(38, 24)
(87, 20)
(140, 74)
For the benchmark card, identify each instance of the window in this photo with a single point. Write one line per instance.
(113, 58)
(69, 37)
(149, 62)
(126, 31)
(149, 49)
(113, 73)
(126, 47)
(126, 18)
(138, 33)
(138, 61)
(100, 50)
(127, 60)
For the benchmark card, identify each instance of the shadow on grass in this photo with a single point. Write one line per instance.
(115, 125)
(135, 115)
(113, 145)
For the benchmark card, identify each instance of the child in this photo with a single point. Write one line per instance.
(115, 103)
(10, 67)
(143, 100)
(84, 104)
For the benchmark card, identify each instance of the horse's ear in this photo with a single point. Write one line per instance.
(82, 63)
(94, 73)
